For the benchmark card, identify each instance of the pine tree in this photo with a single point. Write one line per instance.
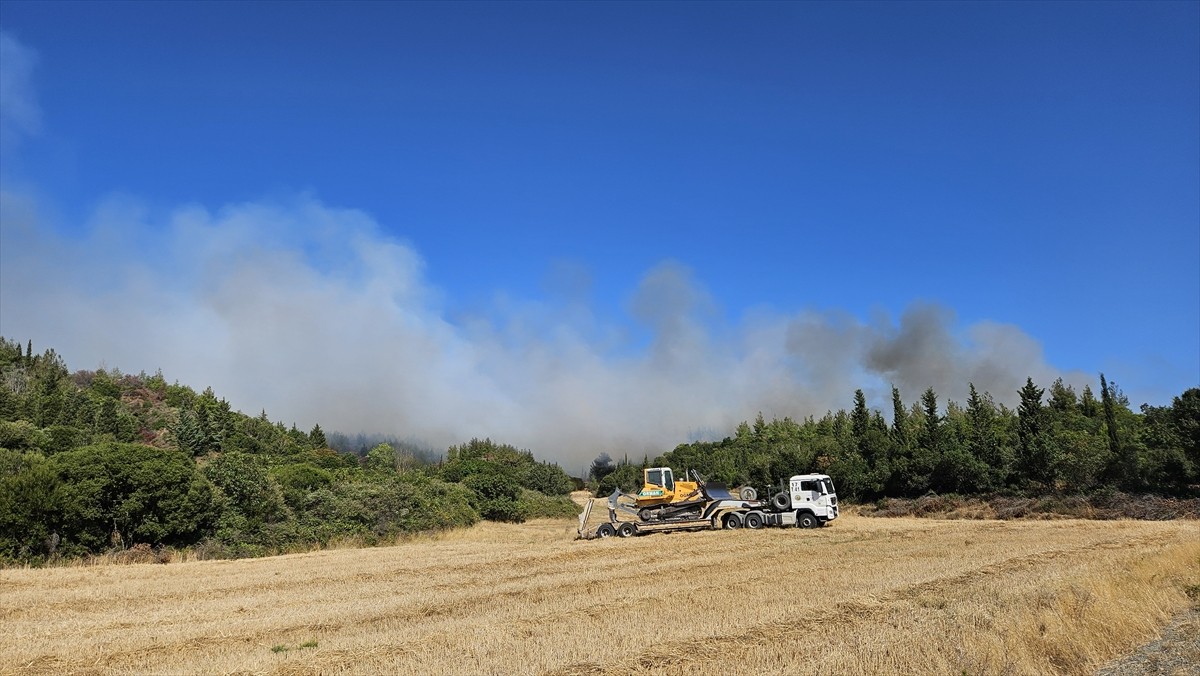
(983, 445)
(931, 431)
(317, 437)
(1036, 460)
(860, 419)
(1087, 402)
(189, 438)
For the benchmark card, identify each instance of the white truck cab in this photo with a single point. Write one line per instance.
(813, 499)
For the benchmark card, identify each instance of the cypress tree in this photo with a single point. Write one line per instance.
(860, 419)
(899, 420)
(1110, 416)
(1123, 468)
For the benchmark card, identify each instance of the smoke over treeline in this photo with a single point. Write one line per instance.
(314, 314)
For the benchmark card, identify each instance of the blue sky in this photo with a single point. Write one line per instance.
(617, 171)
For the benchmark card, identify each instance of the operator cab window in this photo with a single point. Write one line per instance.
(654, 477)
(670, 480)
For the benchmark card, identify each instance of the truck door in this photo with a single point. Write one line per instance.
(810, 490)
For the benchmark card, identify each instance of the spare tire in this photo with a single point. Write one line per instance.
(748, 493)
(781, 501)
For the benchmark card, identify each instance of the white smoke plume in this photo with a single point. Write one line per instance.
(316, 315)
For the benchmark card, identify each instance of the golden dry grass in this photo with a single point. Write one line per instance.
(869, 596)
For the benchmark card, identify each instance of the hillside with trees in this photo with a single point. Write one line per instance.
(100, 461)
(1056, 442)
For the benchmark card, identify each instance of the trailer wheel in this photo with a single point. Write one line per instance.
(732, 522)
(626, 530)
(754, 521)
(781, 501)
(605, 530)
(807, 520)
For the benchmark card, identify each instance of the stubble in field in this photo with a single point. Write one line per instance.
(870, 596)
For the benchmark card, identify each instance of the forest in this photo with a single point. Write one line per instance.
(1057, 442)
(100, 461)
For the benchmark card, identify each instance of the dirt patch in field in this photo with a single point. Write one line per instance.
(1175, 653)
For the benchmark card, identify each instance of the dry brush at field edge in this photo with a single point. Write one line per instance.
(863, 596)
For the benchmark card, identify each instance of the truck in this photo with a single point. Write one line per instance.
(664, 505)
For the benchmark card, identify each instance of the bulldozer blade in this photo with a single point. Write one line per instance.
(583, 516)
(615, 503)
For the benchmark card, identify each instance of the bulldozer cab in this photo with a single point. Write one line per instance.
(660, 477)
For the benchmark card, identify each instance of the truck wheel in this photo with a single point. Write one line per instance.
(626, 529)
(733, 522)
(605, 530)
(754, 521)
(781, 501)
(807, 520)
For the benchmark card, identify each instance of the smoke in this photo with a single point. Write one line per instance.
(316, 315)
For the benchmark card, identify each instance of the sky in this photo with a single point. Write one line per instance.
(584, 227)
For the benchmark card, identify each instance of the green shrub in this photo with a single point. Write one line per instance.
(535, 505)
(123, 494)
(30, 508)
(497, 496)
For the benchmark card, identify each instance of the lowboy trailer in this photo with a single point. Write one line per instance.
(809, 502)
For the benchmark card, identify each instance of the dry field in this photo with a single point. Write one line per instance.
(864, 596)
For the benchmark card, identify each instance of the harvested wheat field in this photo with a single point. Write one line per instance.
(871, 596)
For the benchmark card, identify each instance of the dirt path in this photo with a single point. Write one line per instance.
(1175, 653)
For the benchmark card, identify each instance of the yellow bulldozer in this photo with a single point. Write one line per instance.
(662, 497)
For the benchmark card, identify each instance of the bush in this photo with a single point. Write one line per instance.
(535, 505)
(547, 479)
(30, 507)
(125, 494)
(379, 509)
(21, 436)
(496, 496)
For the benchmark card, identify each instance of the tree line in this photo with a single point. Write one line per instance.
(97, 461)
(1056, 441)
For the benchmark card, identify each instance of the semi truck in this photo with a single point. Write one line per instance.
(665, 505)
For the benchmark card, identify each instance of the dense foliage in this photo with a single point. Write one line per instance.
(1055, 442)
(97, 461)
